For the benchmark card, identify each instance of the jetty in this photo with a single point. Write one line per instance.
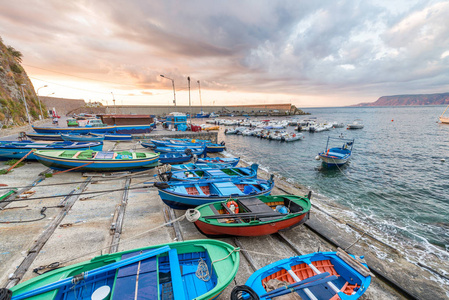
(52, 220)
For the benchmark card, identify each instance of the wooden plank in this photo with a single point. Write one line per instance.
(117, 226)
(43, 238)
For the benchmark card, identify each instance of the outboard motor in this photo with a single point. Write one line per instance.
(188, 151)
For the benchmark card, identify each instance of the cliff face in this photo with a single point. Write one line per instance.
(398, 100)
(12, 76)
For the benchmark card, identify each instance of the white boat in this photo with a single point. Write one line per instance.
(338, 125)
(444, 120)
(291, 137)
(357, 124)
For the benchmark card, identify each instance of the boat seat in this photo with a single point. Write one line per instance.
(255, 205)
(227, 188)
(176, 277)
(77, 154)
(105, 155)
(125, 282)
(230, 211)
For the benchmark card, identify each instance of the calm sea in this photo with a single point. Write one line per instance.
(395, 182)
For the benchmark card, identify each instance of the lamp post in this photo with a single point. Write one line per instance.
(201, 102)
(40, 107)
(26, 106)
(173, 83)
(190, 105)
(113, 100)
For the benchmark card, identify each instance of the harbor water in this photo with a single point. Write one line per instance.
(396, 183)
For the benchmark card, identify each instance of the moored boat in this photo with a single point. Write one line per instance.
(444, 120)
(187, 150)
(319, 276)
(118, 129)
(184, 195)
(337, 156)
(44, 137)
(17, 150)
(100, 161)
(174, 158)
(357, 124)
(161, 270)
(115, 137)
(222, 173)
(201, 166)
(252, 217)
(222, 160)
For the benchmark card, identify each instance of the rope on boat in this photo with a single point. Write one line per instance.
(203, 272)
(192, 215)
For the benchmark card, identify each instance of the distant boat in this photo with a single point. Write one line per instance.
(444, 120)
(319, 276)
(99, 161)
(17, 150)
(357, 124)
(252, 217)
(165, 271)
(337, 156)
(82, 138)
(184, 195)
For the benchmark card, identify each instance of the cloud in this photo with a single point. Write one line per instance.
(352, 48)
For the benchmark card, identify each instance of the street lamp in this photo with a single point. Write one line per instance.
(201, 102)
(190, 105)
(173, 83)
(26, 106)
(113, 100)
(40, 106)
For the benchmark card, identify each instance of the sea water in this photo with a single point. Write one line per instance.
(396, 181)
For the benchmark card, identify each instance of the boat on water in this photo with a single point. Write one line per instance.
(201, 166)
(357, 124)
(222, 160)
(252, 217)
(336, 156)
(161, 271)
(174, 158)
(17, 150)
(222, 173)
(319, 276)
(100, 161)
(444, 120)
(82, 138)
(184, 195)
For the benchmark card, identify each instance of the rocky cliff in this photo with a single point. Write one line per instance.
(398, 100)
(12, 79)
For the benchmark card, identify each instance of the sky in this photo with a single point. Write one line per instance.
(308, 53)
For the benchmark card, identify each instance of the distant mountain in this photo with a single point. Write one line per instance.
(401, 100)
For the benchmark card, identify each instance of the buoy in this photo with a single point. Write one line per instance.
(317, 157)
(443, 160)
(392, 120)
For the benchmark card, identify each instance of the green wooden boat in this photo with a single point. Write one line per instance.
(100, 161)
(253, 216)
(166, 271)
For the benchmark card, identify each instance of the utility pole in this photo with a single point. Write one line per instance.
(25, 101)
(201, 102)
(190, 104)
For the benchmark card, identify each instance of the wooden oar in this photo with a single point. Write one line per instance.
(247, 215)
(89, 274)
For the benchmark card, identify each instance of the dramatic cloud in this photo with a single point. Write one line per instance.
(307, 52)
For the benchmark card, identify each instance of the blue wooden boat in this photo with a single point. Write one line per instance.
(184, 195)
(82, 138)
(222, 173)
(336, 156)
(319, 275)
(190, 140)
(115, 137)
(118, 129)
(166, 271)
(221, 160)
(17, 150)
(99, 161)
(148, 145)
(187, 150)
(44, 137)
(210, 147)
(200, 166)
(174, 158)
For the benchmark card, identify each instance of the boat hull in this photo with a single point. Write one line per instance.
(174, 158)
(122, 281)
(44, 137)
(230, 161)
(444, 120)
(81, 138)
(119, 129)
(211, 230)
(331, 161)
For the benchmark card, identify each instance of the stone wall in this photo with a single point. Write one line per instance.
(62, 105)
